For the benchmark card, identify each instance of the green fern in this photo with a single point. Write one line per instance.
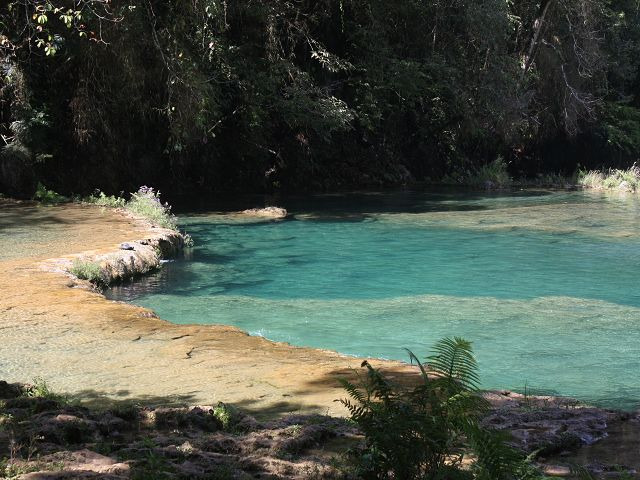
(453, 361)
(423, 431)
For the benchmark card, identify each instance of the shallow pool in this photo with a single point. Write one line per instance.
(545, 284)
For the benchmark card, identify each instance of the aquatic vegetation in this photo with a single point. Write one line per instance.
(88, 270)
(613, 179)
(420, 431)
(188, 240)
(48, 196)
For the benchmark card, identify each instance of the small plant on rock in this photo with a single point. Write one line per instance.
(146, 203)
(40, 389)
(88, 270)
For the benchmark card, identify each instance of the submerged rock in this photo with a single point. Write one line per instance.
(267, 212)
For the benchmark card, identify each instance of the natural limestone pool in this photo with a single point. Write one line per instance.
(545, 284)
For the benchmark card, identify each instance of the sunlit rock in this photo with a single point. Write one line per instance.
(267, 212)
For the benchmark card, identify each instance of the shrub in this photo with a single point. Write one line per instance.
(88, 270)
(421, 431)
(48, 196)
(146, 203)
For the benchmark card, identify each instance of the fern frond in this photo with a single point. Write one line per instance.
(453, 360)
(412, 358)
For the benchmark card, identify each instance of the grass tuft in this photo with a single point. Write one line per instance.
(88, 270)
(227, 415)
(613, 179)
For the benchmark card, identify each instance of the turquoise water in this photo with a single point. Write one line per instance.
(545, 284)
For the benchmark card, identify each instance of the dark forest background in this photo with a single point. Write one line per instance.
(297, 95)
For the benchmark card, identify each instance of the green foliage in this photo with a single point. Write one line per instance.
(309, 94)
(88, 270)
(103, 200)
(48, 197)
(423, 431)
(50, 21)
(146, 203)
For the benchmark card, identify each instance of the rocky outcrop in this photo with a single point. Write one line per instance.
(267, 212)
(223, 442)
(131, 259)
(162, 442)
(141, 256)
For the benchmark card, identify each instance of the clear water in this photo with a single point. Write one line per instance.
(545, 284)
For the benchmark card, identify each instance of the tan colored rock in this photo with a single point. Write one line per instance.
(267, 212)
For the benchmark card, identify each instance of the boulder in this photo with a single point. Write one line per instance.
(9, 390)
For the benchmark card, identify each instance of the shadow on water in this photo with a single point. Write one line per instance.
(356, 206)
(14, 215)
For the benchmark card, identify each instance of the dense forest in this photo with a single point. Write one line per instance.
(219, 95)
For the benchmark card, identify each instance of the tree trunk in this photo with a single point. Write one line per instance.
(535, 39)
